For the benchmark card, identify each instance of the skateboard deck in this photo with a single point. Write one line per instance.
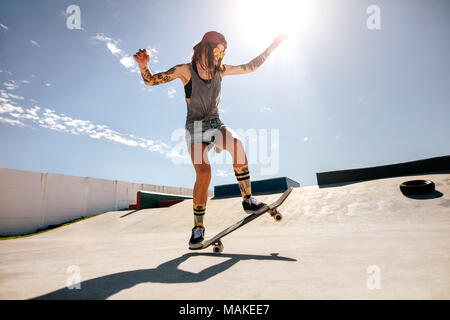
(271, 208)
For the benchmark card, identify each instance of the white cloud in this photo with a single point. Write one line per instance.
(171, 93)
(7, 95)
(48, 84)
(34, 43)
(175, 155)
(128, 62)
(32, 114)
(148, 88)
(113, 46)
(2, 26)
(50, 119)
(9, 108)
(13, 96)
(101, 37)
(153, 53)
(306, 139)
(266, 109)
(12, 122)
(110, 43)
(114, 137)
(10, 85)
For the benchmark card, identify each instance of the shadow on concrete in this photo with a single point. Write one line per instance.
(103, 287)
(433, 195)
(127, 214)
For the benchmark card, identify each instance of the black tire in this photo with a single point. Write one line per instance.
(417, 187)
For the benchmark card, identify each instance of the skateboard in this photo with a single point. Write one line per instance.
(271, 208)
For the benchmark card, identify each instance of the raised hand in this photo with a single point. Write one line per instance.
(279, 39)
(142, 57)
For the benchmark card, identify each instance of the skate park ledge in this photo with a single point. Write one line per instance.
(259, 187)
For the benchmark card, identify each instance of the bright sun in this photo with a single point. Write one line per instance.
(262, 20)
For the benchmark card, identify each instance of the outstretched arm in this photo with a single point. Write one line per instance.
(255, 63)
(142, 58)
(160, 78)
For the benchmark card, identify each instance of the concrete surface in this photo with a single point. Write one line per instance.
(359, 241)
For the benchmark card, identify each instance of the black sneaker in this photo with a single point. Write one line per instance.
(251, 205)
(197, 238)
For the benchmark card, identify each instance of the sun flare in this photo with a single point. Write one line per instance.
(262, 20)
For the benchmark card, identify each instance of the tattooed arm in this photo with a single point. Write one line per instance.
(228, 70)
(255, 63)
(162, 77)
(142, 58)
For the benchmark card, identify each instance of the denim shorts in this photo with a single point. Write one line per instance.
(205, 131)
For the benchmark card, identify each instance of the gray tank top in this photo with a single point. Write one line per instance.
(205, 97)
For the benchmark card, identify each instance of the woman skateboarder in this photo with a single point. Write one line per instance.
(202, 79)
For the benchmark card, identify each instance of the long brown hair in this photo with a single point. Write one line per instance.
(206, 49)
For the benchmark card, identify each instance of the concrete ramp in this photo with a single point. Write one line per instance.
(358, 241)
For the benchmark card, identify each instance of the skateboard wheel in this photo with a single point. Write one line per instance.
(218, 247)
(278, 217)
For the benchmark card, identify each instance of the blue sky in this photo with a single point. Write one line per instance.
(337, 95)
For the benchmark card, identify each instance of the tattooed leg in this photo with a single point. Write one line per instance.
(243, 178)
(199, 213)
